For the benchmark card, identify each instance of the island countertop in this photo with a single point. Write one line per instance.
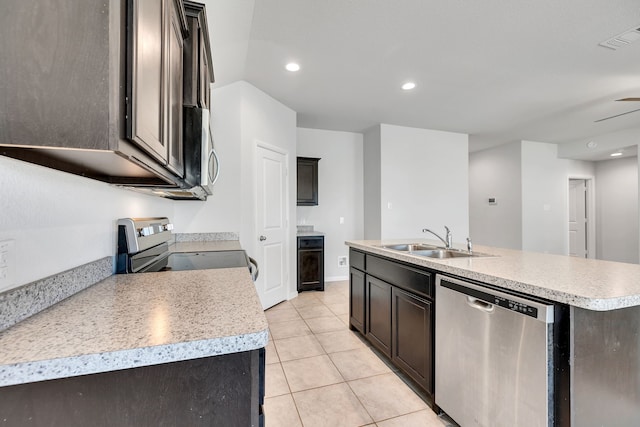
(133, 320)
(584, 283)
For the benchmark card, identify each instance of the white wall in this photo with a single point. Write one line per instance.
(372, 202)
(60, 221)
(544, 199)
(496, 173)
(340, 188)
(424, 177)
(545, 215)
(617, 209)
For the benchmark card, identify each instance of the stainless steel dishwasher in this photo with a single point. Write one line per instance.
(494, 360)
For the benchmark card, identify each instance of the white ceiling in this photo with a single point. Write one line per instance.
(499, 70)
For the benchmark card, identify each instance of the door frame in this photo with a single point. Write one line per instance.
(287, 238)
(590, 183)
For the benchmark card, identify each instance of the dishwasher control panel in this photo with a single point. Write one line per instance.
(499, 299)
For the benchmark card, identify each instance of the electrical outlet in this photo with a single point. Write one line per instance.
(342, 261)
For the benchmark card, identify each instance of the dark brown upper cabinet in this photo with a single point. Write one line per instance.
(198, 67)
(307, 172)
(97, 89)
(156, 31)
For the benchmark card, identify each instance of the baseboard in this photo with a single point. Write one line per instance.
(336, 278)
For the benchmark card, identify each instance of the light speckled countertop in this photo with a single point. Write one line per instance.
(133, 320)
(309, 234)
(585, 283)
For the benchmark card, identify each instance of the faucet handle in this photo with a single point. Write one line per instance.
(469, 245)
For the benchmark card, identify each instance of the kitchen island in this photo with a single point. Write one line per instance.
(164, 348)
(600, 345)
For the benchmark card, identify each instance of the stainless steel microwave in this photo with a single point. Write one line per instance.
(202, 166)
(201, 163)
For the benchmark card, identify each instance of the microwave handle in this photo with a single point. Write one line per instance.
(217, 160)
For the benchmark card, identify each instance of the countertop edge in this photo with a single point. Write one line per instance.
(593, 304)
(42, 370)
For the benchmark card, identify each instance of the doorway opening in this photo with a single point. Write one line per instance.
(582, 221)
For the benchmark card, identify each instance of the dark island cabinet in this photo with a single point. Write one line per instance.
(307, 174)
(357, 301)
(412, 336)
(378, 324)
(357, 291)
(225, 390)
(392, 305)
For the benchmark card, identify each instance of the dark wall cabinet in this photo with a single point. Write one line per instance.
(155, 44)
(198, 69)
(106, 81)
(391, 303)
(307, 173)
(310, 263)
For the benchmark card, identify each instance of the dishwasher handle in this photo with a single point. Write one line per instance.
(480, 305)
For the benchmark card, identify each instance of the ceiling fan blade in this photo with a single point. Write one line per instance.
(628, 99)
(617, 115)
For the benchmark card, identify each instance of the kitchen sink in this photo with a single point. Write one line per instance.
(443, 253)
(410, 247)
(431, 251)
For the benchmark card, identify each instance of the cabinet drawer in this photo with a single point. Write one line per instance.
(356, 259)
(405, 277)
(310, 242)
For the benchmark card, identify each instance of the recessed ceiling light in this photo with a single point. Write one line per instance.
(408, 86)
(616, 154)
(292, 66)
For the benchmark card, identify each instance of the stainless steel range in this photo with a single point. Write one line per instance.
(143, 246)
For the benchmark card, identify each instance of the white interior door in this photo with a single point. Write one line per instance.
(272, 225)
(578, 218)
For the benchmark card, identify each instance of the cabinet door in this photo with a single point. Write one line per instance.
(378, 325)
(412, 337)
(174, 92)
(205, 79)
(307, 174)
(310, 270)
(357, 302)
(145, 88)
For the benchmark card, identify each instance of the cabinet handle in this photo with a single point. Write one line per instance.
(263, 238)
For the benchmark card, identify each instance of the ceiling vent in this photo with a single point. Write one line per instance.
(623, 39)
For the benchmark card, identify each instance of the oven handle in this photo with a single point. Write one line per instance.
(256, 272)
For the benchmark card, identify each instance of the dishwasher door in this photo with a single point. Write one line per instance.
(494, 360)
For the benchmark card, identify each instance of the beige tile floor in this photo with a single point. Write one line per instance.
(319, 373)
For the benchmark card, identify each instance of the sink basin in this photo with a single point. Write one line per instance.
(442, 253)
(430, 251)
(410, 247)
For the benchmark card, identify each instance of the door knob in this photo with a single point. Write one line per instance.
(263, 238)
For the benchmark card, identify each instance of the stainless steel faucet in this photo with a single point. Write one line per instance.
(448, 242)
